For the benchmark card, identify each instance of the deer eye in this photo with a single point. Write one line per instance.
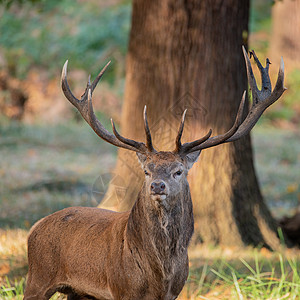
(178, 173)
(146, 173)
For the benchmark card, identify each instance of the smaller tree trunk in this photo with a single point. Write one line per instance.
(285, 39)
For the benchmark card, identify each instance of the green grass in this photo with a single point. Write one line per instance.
(255, 275)
(12, 291)
(263, 284)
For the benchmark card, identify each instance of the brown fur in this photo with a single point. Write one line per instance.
(92, 253)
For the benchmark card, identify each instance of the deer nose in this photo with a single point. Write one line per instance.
(157, 187)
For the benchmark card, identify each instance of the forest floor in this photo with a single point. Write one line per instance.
(44, 169)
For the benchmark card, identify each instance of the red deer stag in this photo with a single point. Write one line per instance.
(92, 253)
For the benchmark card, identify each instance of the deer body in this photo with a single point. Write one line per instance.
(141, 254)
(91, 253)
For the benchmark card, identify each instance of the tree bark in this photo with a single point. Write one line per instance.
(187, 54)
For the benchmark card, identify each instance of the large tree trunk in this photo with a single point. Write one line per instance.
(187, 54)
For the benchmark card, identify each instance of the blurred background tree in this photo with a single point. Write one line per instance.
(285, 41)
(285, 37)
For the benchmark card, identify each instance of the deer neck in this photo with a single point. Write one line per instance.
(163, 228)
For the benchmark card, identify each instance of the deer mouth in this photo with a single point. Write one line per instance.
(159, 196)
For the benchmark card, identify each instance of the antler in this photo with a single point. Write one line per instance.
(262, 99)
(85, 107)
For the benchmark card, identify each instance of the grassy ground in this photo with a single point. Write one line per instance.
(242, 274)
(43, 169)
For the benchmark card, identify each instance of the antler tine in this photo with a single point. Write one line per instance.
(182, 149)
(258, 95)
(139, 146)
(179, 134)
(95, 82)
(192, 146)
(147, 132)
(65, 86)
(85, 107)
(279, 86)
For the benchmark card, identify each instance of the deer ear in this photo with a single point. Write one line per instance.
(142, 158)
(191, 158)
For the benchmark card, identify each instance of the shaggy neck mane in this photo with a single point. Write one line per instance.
(162, 232)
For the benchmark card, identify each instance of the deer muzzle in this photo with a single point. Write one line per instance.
(158, 190)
